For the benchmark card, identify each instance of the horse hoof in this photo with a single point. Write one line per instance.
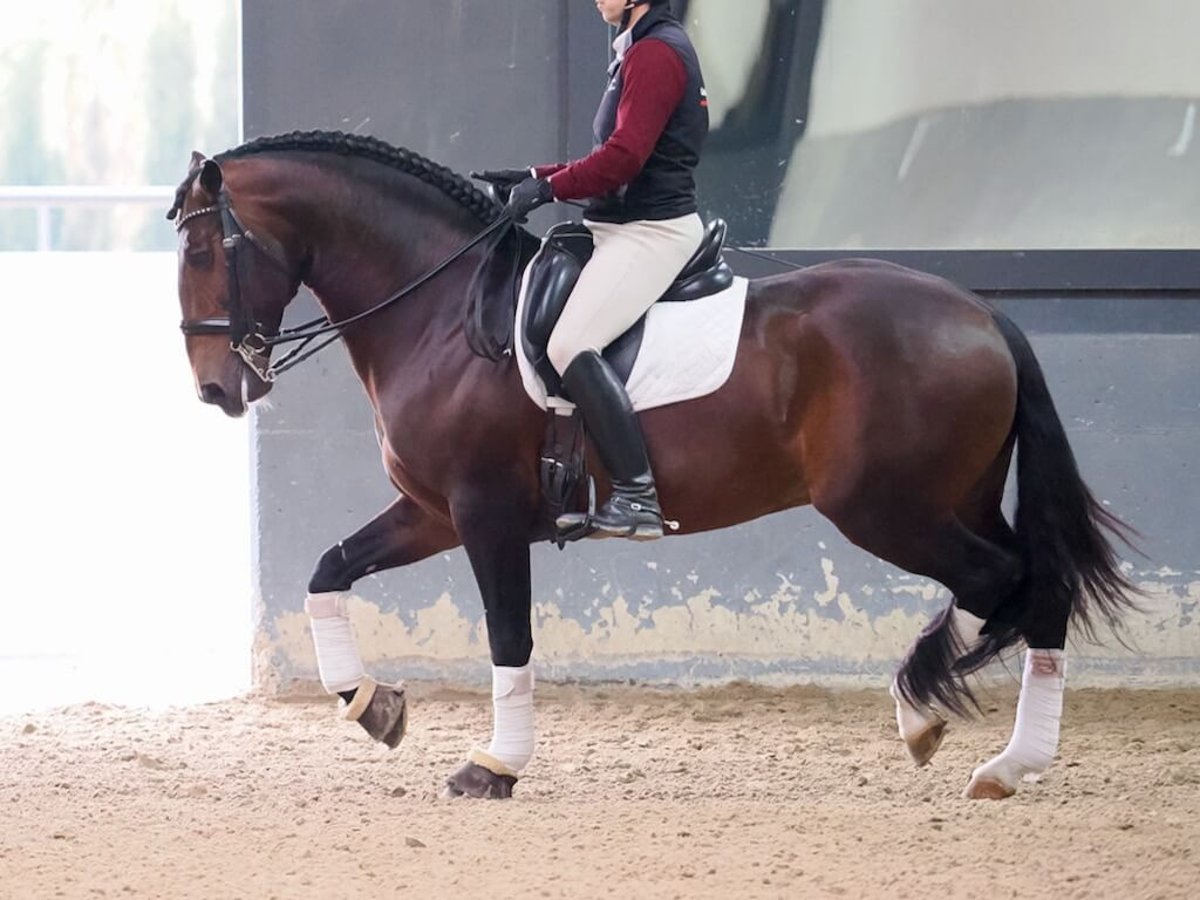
(988, 788)
(382, 711)
(473, 780)
(922, 746)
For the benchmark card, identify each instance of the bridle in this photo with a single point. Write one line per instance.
(247, 336)
(253, 341)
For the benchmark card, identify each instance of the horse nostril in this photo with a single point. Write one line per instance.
(211, 393)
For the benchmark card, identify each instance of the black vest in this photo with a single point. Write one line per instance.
(666, 186)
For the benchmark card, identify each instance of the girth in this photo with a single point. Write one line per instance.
(553, 273)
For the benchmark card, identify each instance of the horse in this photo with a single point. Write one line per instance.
(888, 399)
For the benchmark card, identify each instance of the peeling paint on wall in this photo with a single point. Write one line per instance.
(441, 632)
(794, 630)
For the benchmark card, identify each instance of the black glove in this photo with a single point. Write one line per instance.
(502, 180)
(528, 196)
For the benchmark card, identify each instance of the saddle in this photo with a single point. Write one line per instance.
(554, 271)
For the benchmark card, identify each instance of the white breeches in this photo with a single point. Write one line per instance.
(632, 265)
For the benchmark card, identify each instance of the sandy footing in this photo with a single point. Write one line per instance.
(737, 792)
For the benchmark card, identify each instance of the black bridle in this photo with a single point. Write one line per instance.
(247, 336)
(252, 340)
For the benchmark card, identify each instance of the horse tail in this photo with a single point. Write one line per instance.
(1072, 574)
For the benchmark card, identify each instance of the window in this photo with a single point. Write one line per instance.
(952, 124)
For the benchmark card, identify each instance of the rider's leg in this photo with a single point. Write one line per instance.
(632, 509)
(631, 267)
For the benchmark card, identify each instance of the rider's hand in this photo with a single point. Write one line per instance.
(503, 180)
(528, 196)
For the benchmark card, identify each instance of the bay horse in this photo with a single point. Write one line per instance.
(888, 399)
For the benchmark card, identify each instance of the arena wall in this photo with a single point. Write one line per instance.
(783, 599)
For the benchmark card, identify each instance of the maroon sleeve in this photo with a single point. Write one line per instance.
(653, 82)
(547, 171)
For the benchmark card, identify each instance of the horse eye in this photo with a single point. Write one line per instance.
(201, 257)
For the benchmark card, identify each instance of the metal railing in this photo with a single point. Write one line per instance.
(45, 198)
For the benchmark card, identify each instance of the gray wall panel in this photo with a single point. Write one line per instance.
(784, 598)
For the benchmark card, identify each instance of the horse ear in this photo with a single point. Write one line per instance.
(196, 161)
(210, 177)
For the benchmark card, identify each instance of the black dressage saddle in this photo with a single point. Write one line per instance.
(553, 272)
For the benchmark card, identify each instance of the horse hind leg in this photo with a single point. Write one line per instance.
(980, 574)
(923, 674)
(952, 639)
(1034, 741)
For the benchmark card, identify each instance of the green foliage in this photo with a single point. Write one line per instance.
(24, 157)
(224, 124)
(170, 88)
(170, 109)
(123, 100)
(177, 124)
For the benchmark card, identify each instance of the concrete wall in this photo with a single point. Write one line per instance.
(781, 599)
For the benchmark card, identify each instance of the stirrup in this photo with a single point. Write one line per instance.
(577, 527)
(637, 521)
(574, 526)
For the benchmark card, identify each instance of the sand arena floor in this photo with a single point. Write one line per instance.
(737, 792)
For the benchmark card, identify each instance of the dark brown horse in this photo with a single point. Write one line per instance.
(888, 399)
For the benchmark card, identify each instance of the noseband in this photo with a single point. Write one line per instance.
(248, 337)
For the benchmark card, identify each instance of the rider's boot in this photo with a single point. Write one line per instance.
(632, 510)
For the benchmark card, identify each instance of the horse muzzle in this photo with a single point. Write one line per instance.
(234, 398)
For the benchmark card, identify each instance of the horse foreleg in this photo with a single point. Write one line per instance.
(401, 534)
(496, 538)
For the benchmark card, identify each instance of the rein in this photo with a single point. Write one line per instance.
(249, 338)
(766, 257)
(253, 342)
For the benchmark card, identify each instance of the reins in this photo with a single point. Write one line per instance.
(307, 332)
(253, 343)
(766, 257)
(250, 340)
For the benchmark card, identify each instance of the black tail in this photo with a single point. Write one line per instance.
(1072, 575)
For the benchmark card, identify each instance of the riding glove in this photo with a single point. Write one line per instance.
(528, 196)
(502, 180)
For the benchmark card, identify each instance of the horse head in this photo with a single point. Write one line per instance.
(234, 283)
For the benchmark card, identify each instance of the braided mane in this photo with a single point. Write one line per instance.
(448, 182)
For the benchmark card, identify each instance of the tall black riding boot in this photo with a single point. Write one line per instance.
(632, 511)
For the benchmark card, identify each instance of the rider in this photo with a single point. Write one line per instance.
(649, 131)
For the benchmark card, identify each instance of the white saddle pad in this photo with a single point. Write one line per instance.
(687, 351)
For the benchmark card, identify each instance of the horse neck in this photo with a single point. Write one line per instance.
(370, 238)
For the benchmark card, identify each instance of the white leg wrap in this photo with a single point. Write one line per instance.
(338, 659)
(1039, 710)
(966, 627)
(512, 725)
(911, 721)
